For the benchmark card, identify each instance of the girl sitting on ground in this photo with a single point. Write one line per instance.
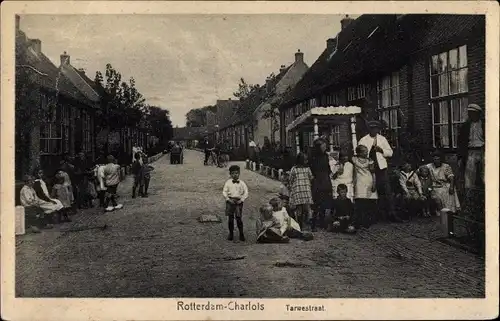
(268, 227)
(288, 226)
(300, 190)
(411, 188)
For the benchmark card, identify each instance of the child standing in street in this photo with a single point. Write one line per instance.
(62, 193)
(235, 192)
(111, 181)
(365, 190)
(137, 172)
(300, 189)
(284, 193)
(146, 177)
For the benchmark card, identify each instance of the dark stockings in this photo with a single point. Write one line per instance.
(239, 223)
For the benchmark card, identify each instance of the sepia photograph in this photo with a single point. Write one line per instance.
(204, 156)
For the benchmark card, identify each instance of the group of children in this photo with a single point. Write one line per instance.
(354, 204)
(44, 208)
(274, 223)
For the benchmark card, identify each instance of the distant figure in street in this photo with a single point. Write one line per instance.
(235, 192)
(471, 145)
(175, 154)
(111, 181)
(137, 173)
(99, 180)
(207, 151)
(379, 150)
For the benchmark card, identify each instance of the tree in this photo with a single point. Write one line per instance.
(159, 123)
(123, 106)
(197, 117)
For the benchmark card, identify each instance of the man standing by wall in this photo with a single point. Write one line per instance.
(471, 147)
(379, 150)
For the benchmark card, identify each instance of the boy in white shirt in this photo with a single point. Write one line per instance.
(111, 180)
(235, 192)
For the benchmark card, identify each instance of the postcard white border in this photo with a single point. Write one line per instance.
(165, 309)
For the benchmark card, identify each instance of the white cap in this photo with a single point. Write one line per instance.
(474, 107)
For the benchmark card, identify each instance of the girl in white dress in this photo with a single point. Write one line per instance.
(344, 175)
(365, 191)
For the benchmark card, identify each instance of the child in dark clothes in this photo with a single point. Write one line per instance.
(342, 219)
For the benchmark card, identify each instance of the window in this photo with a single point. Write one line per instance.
(50, 128)
(388, 106)
(336, 136)
(449, 73)
(66, 125)
(87, 132)
(449, 87)
(332, 99)
(447, 116)
(357, 92)
(312, 103)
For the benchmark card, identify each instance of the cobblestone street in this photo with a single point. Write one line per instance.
(155, 247)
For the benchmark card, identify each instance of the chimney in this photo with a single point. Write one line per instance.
(18, 22)
(268, 84)
(283, 68)
(65, 59)
(299, 56)
(331, 43)
(36, 44)
(345, 21)
(82, 70)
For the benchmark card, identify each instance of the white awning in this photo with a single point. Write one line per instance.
(322, 113)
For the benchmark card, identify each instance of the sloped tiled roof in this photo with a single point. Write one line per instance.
(375, 43)
(52, 78)
(247, 108)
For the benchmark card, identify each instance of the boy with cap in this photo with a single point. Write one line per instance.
(471, 146)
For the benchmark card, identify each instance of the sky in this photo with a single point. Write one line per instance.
(181, 62)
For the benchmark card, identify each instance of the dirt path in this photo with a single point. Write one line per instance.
(156, 247)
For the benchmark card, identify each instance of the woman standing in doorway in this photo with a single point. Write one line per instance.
(322, 192)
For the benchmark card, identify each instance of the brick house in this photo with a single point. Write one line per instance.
(417, 73)
(53, 115)
(286, 79)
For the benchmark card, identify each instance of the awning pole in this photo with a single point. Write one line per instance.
(297, 141)
(331, 138)
(353, 132)
(316, 130)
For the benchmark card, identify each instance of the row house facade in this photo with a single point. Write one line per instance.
(54, 115)
(247, 122)
(416, 73)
